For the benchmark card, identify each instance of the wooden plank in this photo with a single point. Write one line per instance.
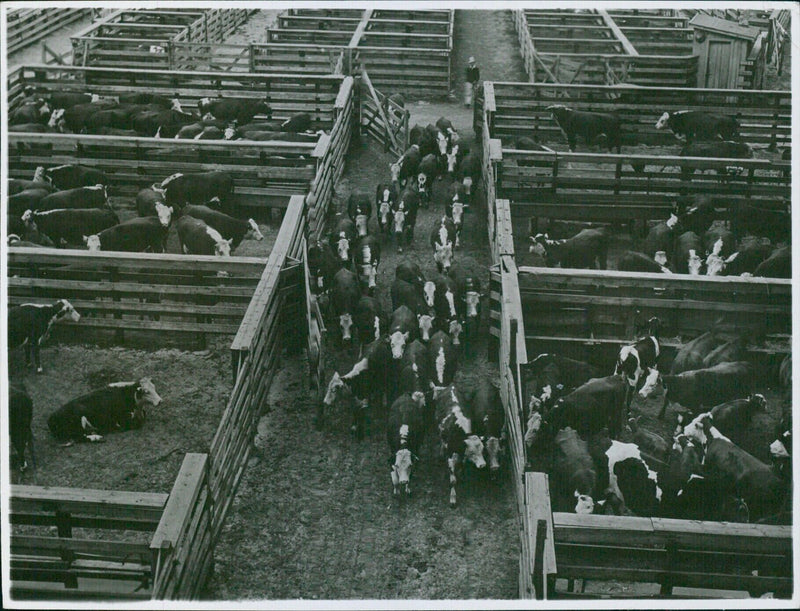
(182, 498)
(379, 106)
(84, 500)
(21, 544)
(537, 495)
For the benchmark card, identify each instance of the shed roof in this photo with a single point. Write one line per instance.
(723, 26)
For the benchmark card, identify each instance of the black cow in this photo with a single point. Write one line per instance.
(404, 433)
(145, 97)
(161, 123)
(198, 238)
(359, 209)
(404, 216)
(632, 261)
(443, 359)
(692, 124)
(698, 217)
(28, 231)
(74, 176)
(592, 127)
(369, 320)
(345, 294)
(429, 169)
(241, 110)
(661, 237)
(68, 99)
(699, 387)
(488, 421)
(27, 199)
(70, 226)
(446, 298)
(459, 442)
(74, 118)
(29, 325)
(410, 272)
(31, 128)
(385, 200)
(649, 443)
(406, 167)
(141, 234)
(151, 202)
(733, 418)
(198, 188)
(119, 406)
(751, 252)
(230, 228)
(423, 139)
(573, 469)
(33, 110)
(406, 294)
(777, 265)
(597, 404)
(687, 258)
(300, 122)
(723, 149)
(20, 416)
(445, 126)
(584, 250)
(549, 376)
(322, 265)
(81, 197)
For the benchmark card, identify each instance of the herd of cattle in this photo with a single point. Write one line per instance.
(756, 244)
(577, 418)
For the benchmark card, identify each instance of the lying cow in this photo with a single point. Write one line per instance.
(119, 406)
(29, 325)
(691, 124)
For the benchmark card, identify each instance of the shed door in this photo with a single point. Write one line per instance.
(718, 67)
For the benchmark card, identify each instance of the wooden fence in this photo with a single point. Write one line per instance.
(382, 119)
(25, 27)
(520, 109)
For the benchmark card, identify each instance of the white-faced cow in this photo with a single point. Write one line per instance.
(403, 329)
(585, 250)
(344, 295)
(370, 321)
(229, 227)
(443, 237)
(385, 201)
(404, 434)
(141, 234)
(443, 359)
(197, 238)
(573, 469)
(29, 325)
(359, 209)
(367, 258)
(691, 124)
(342, 239)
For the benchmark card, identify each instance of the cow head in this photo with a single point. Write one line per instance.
(539, 244)
(399, 221)
(629, 364)
(441, 142)
(402, 464)
(254, 230)
(335, 387)
(157, 49)
(473, 301)
(361, 224)
(176, 106)
(27, 217)
(452, 136)
(370, 272)
(146, 394)
(694, 263)
(663, 121)
(758, 402)
(230, 131)
(429, 291)
(584, 503)
(397, 342)
(443, 256)
(66, 311)
(92, 242)
(425, 326)
(422, 181)
(452, 160)
(715, 265)
(650, 383)
(454, 330)
(56, 117)
(343, 247)
(40, 175)
(222, 248)
(661, 258)
(164, 213)
(346, 325)
(376, 325)
(384, 210)
(473, 451)
(395, 170)
(492, 447)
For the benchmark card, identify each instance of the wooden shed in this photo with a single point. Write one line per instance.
(722, 47)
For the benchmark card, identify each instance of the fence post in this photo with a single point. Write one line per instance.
(539, 581)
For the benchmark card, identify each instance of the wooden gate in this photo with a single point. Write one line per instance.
(316, 327)
(383, 119)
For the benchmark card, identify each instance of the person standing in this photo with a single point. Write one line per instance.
(473, 75)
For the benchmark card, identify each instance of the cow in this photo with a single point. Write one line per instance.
(549, 376)
(404, 217)
(366, 382)
(410, 272)
(716, 260)
(68, 99)
(443, 359)
(367, 257)
(445, 298)
(141, 234)
(404, 433)
(406, 167)
(770, 219)
(369, 320)
(442, 239)
(661, 237)
(445, 126)
(427, 172)
(31, 128)
(161, 123)
(27, 199)
(584, 250)
(407, 294)
(469, 173)
(29, 325)
(345, 294)
(592, 127)
(573, 469)
(698, 217)
(634, 359)
(33, 110)
(20, 416)
(28, 231)
(596, 404)
(488, 422)
(299, 122)
(650, 443)
(751, 252)
(424, 139)
(403, 329)
(734, 350)
(229, 227)
(17, 185)
(119, 406)
(687, 259)
(733, 418)
(691, 124)
(198, 188)
(342, 239)
(458, 441)
(359, 209)
(241, 110)
(699, 387)
(717, 150)
(632, 261)
(632, 480)
(69, 226)
(692, 354)
(720, 240)
(198, 238)
(322, 266)
(385, 200)
(777, 265)
(157, 209)
(454, 208)
(81, 197)
(148, 198)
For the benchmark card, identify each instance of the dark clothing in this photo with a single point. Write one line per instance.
(473, 74)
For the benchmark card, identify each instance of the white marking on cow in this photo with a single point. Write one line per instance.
(397, 341)
(377, 326)
(778, 450)
(661, 258)
(547, 392)
(451, 302)
(93, 243)
(440, 365)
(584, 504)
(86, 425)
(694, 262)
(474, 451)
(627, 352)
(55, 117)
(399, 219)
(656, 346)
(443, 235)
(254, 228)
(357, 369)
(403, 433)
(662, 121)
(121, 384)
(622, 451)
(164, 213)
(473, 299)
(425, 326)
(672, 221)
(39, 174)
(169, 179)
(429, 290)
(650, 383)
(346, 322)
(455, 330)
(385, 209)
(221, 245)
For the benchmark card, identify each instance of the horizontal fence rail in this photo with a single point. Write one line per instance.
(28, 26)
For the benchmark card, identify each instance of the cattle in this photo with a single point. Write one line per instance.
(719, 239)
(632, 261)
(345, 294)
(230, 228)
(342, 239)
(74, 117)
(469, 173)
(427, 172)
(548, 376)
(573, 469)
(467, 296)
(488, 422)
(406, 167)
(69, 226)
(691, 124)
(31, 128)
(442, 240)
(20, 416)
(454, 208)
(734, 350)
(33, 110)
(773, 220)
(751, 252)
(459, 442)
(634, 359)
(407, 294)
(777, 265)
(161, 123)
(632, 480)
(385, 199)
(17, 185)
(649, 443)
(367, 257)
(369, 320)
(414, 374)
(404, 217)
(404, 434)
(733, 418)
(157, 209)
(699, 387)
(717, 150)
(118, 406)
(142, 234)
(198, 238)
(263, 136)
(403, 329)
(410, 272)
(592, 127)
(445, 126)
(322, 266)
(446, 298)
(698, 217)
(687, 259)
(68, 99)
(451, 161)
(198, 188)
(596, 404)
(717, 261)
(29, 231)
(366, 382)
(584, 250)
(147, 198)
(661, 237)
(297, 123)
(27, 199)
(424, 139)
(29, 325)
(427, 322)
(443, 359)
(359, 209)
(81, 197)
(241, 110)
(692, 354)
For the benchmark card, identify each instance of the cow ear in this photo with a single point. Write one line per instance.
(85, 239)
(406, 335)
